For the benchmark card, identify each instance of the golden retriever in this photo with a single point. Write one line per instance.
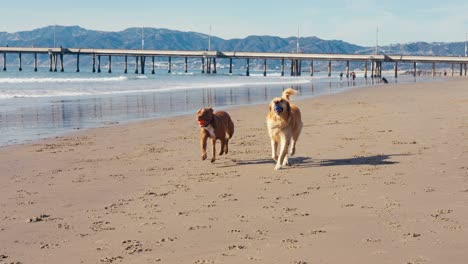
(215, 126)
(284, 127)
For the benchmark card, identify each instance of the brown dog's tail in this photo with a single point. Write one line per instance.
(288, 92)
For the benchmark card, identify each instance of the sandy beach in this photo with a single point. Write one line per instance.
(380, 176)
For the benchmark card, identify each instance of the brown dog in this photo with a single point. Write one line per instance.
(284, 125)
(215, 126)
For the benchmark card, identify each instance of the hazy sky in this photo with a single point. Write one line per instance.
(353, 21)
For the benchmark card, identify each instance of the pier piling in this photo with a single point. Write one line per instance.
(365, 69)
(50, 62)
(299, 67)
(4, 61)
(109, 64)
(282, 67)
(395, 68)
(214, 65)
(186, 65)
(461, 69)
(142, 64)
(94, 62)
(311, 68)
(125, 64)
(264, 67)
(136, 64)
(203, 65)
(247, 73)
(414, 69)
(61, 62)
(99, 63)
(78, 62)
(20, 60)
(55, 62)
(230, 65)
(169, 65)
(433, 70)
(35, 61)
(347, 69)
(329, 68)
(152, 65)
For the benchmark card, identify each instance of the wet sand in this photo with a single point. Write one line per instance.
(380, 176)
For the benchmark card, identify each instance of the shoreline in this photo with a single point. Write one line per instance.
(59, 119)
(380, 176)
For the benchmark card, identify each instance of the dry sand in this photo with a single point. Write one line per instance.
(380, 176)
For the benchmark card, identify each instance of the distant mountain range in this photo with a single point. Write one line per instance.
(156, 38)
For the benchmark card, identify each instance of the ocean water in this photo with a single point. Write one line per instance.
(36, 105)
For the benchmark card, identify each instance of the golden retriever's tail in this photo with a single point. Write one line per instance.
(288, 92)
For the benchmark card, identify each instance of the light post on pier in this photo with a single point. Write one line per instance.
(209, 39)
(466, 45)
(377, 42)
(142, 38)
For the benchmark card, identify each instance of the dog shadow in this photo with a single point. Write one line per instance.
(375, 160)
(304, 162)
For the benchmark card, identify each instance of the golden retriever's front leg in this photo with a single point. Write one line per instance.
(293, 148)
(213, 144)
(283, 158)
(203, 139)
(274, 149)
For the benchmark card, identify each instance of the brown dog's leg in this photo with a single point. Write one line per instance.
(226, 148)
(213, 144)
(223, 146)
(203, 139)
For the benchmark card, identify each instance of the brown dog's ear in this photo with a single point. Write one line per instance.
(288, 107)
(211, 110)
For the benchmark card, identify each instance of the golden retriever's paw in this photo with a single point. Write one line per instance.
(292, 152)
(278, 167)
(286, 162)
(203, 157)
(213, 160)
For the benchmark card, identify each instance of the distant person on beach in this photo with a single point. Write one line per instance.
(384, 80)
(445, 72)
(341, 75)
(353, 74)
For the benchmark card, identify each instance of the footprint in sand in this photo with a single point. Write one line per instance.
(133, 246)
(199, 227)
(48, 246)
(236, 247)
(101, 226)
(40, 218)
(203, 261)
(116, 259)
(291, 243)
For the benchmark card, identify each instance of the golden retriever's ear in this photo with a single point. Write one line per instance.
(288, 107)
(269, 108)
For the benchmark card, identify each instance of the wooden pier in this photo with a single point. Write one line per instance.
(208, 59)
